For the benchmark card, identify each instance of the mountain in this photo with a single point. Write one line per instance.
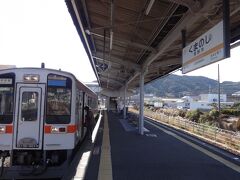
(178, 86)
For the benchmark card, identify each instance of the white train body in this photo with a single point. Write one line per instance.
(41, 115)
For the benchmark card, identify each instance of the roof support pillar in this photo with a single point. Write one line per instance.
(112, 21)
(124, 105)
(226, 28)
(141, 109)
(107, 103)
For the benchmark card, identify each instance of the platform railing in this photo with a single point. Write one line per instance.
(229, 140)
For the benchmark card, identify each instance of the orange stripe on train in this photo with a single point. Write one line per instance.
(9, 129)
(70, 129)
(47, 129)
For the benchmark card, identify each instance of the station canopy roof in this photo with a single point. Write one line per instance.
(124, 38)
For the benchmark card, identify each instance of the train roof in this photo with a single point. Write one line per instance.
(79, 83)
(33, 68)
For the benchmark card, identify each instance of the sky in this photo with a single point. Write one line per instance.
(36, 31)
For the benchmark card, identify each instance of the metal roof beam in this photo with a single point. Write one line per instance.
(85, 41)
(236, 44)
(126, 42)
(135, 75)
(116, 70)
(187, 22)
(192, 5)
(127, 64)
(115, 73)
(112, 80)
(166, 62)
(112, 24)
(87, 20)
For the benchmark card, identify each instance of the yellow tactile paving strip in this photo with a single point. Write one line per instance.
(105, 167)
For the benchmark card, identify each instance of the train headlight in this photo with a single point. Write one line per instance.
(2, 129)
(58, 130)
(31, 78)
(54, 130)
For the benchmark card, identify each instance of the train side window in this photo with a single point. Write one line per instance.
(80, 103)
(80, 99)
(29, 106)
(77, 105)
(89, 102)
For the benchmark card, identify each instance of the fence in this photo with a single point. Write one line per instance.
(227, 139)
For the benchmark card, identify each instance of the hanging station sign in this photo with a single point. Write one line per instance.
(205, 50)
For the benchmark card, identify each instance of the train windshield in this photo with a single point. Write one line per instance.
(6, 105)
(59, 101)
(59, 93)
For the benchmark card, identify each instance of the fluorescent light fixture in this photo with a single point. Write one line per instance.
(111, 39)
(88, 32)
(150, 4)
(235, 44)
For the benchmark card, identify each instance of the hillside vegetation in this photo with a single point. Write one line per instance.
(178, 86)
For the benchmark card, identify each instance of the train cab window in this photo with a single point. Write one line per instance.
(29, 106)
(59, 93)
(7, 82)
(6, 105)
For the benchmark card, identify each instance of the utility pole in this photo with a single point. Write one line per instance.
(219, 102)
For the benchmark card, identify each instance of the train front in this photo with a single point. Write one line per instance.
(37, 126)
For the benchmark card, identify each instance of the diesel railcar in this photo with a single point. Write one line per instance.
(41, 119)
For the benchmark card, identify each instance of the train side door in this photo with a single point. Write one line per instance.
(29, 116)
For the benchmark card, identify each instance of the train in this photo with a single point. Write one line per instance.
(41, 119)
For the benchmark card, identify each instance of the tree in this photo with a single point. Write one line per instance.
(194, 115)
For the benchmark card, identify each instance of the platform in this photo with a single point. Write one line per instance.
(120, 153)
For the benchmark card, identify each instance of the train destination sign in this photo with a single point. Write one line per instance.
(206, 49)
